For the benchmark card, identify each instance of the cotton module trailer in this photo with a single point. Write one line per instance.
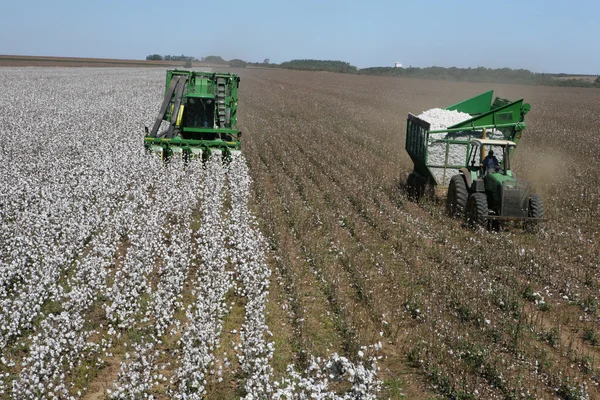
(200, 110)
(453, 158)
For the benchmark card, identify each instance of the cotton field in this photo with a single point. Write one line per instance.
(299, 271)
(112, 261)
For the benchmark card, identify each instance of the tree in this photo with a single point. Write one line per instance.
(188, 63)
(597, 81)
(214, 60)
(156, 57)
(237, 63)
(266, 61)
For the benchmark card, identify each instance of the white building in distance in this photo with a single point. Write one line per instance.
(398, 65)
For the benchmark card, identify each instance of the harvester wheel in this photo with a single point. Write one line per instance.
(536, 210)
(477, 210)
(456, 200)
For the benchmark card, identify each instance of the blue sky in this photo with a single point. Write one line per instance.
(544, 36)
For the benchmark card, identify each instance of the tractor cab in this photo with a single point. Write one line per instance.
(488, 157)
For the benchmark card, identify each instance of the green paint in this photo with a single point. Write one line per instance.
(207, 116)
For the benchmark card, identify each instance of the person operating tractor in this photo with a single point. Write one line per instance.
(490, 161)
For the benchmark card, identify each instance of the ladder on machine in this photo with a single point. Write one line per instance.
(220, 98)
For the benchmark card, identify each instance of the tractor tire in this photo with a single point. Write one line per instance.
(456, 200)
(536, 210)
(477, 210)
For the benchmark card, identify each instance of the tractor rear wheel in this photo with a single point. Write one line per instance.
(477, 210)
(536, 210)
(456, 200)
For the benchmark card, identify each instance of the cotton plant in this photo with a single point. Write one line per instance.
(314, 382)
(137, 375)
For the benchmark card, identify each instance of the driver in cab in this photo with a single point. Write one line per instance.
(490, 162)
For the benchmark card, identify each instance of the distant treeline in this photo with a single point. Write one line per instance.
(482, 74)
(319, 65)
(310, 65)
(209, 59)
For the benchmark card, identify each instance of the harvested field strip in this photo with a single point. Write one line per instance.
(440, 255)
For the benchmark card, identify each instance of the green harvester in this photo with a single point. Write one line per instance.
(201, 111)
(453, 158)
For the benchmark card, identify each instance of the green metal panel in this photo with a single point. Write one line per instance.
(475, 105)
(507, 115)
(493, 181)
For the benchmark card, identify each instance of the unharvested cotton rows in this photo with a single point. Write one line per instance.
(314, 382)
(63, 342)
(247, 256)
(141, 231)
(136, 377)
(64, 182)
(170, 253)
(172, 246)
(83, 207)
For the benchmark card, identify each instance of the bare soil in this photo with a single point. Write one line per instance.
(453, 308)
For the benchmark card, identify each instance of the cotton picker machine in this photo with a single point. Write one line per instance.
(200, 109)
(453, 158)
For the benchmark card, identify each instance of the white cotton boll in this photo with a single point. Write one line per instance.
(440, 119)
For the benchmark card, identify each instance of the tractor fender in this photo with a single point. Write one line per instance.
(467, 174)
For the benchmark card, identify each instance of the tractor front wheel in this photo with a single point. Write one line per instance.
(477, 210)
(456, 200)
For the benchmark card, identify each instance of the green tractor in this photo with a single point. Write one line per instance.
(200, 109)
(452, 158)
(488, 193)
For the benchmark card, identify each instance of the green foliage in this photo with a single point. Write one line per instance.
(589, 335)
(394, 388)
(179, 58)
(237, 63)
(188, 64)
(263, 64)
(154, 57)
(214, 60)
(319, 65)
